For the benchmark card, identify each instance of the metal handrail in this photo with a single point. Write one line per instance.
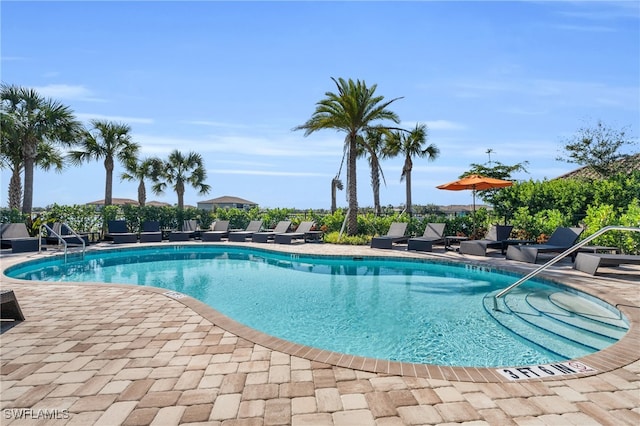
(62, 240)
(558, 257)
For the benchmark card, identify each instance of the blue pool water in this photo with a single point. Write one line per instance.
(401, 310)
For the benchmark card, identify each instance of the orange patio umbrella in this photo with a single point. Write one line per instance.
(475, 183)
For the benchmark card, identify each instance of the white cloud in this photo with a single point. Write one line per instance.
(117, 118)
(67, 92)
(267, 173)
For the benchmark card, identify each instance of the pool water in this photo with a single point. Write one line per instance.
(410, 311)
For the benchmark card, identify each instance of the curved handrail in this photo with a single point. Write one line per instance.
(62, 240)
(560, 256)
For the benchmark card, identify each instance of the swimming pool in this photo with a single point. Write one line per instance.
(402, 310)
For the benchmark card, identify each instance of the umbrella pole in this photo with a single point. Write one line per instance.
(473, 216)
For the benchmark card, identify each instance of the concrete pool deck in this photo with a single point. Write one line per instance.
(116, 354)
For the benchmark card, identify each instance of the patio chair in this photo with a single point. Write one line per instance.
(300, 234)
(590, 262)
(151, 232)
(495, 238)
(16, 236)
(394, 236)
(9, 307)
(264, 237)
(219, 231)
(188, 231)
(119, 233)
(433, 234)
(562, 239)
(65, 233)
(241, 236)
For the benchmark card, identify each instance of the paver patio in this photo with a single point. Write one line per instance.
(117, 354)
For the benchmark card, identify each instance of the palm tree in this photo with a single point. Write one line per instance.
(11, 158)
(353, 110)
(108, 141)
(141, 170)
(410, 144)
(371, 146)
(36, 120)
(179, 170)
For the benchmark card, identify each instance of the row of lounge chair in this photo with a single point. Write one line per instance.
(151, 232)
(586, 259)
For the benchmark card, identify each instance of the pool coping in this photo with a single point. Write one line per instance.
(618, 355)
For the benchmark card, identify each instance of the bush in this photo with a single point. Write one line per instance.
(353, 240)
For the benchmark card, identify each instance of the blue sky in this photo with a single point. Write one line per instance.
(230, 80)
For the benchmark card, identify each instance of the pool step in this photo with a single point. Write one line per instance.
(582, 326)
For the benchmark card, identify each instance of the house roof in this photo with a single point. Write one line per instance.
(124, 201)
(115, 202)
(228, 199)
(627, 163)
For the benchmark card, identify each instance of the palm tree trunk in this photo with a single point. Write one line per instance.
(15, 189)
(375, 184)
(108, 187)
(333, 196)
(180, 192)
(29, 151)
(352, 221)
(409, 208)
(142, 193)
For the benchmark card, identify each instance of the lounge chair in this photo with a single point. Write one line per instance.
(151, 232)
(495, 238)
(433, 234)
(562, 239)
(241, 236)
(590, 262)
(263, 237)
(219, 231)
(9, 307)
(395, 235)
(119, 232)
(188, 231)
(16, 236)
(64, 232)
(300, 233)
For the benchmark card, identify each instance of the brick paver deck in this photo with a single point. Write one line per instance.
(111, 355)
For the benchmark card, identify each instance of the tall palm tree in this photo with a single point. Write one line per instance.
(139, 171)
(11, 158)
(371, 146)
(36, 120)
(179, 170)
(410, 144)
(108, 141)
(353, 110)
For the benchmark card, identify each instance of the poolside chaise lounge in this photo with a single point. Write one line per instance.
(562, 239)
(9, 307)
(64, 232)
(219, 231)
(151, 232)
(301, 233)
(16, 236)
(265, 236)
(495, 238)
(119, 233)
(433, 234)
(590, 262)
(395, 235)
(241, 236)
(188, 231)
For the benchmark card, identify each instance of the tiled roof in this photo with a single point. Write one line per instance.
(627, 163)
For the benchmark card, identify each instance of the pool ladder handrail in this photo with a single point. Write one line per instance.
(60, 239)
(559, 257)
